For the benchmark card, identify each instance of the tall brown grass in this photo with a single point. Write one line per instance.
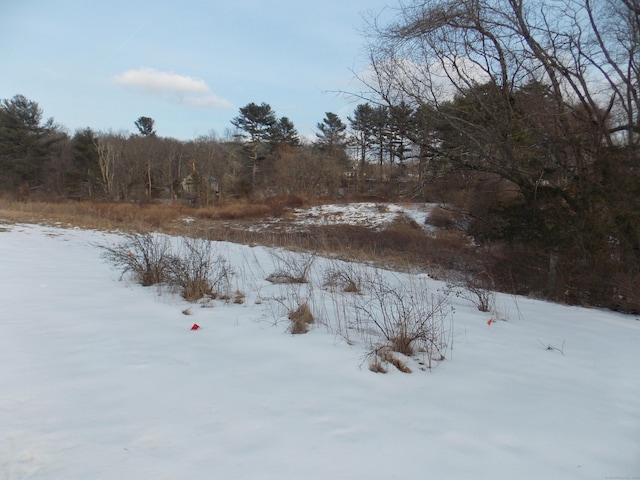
(402, 244)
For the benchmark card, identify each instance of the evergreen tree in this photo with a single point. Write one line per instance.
(284, 133)
(380, 132)
(332, 137)
(401, 123)
(256, 124)
(362, 126)
(145, 126)
(83, 177)
(26, 142)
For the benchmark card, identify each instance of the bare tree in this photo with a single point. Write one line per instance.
(542, 95)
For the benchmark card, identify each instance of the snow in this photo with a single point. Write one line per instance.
(364, 214)
(101, 378)
(369, 214)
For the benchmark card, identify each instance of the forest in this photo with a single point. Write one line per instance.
(521, 120)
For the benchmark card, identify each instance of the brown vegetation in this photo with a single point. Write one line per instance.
(301, 318)
(401, 244)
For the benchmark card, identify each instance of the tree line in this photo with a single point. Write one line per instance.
(264, 156)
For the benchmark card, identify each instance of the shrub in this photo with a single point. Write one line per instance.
(196, 272)
(145, 255)
(345, 279)
(405, 317)
(478, 289)
(291, 267)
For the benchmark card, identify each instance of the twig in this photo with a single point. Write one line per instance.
(551, 347)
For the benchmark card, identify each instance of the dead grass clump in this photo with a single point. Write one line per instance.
(301, 318)
(451, 240)
(401, 236)
(280, 203)
(386, 356)
(443, 219)
(233, 211)
(282, 277)
(345, 279)
(238, 297)
(401, 343)
(376, 366)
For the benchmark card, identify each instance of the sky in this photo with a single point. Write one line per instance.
(189, 65)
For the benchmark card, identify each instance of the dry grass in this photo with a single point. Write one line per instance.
(444, 219)
(401, 245)
(301, 318)
(233, 211)
(388, 356)
(343, 278)
(132, 216)
(384, 356)
(95, 215)
(238, 297)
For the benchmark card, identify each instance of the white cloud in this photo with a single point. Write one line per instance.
(209, 100)
(149, 80)
(173, 86)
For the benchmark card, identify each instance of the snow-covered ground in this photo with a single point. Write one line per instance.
(370, 214)
(374, 215)
(101, 378)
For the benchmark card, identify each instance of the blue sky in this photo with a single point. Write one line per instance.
(190, 65)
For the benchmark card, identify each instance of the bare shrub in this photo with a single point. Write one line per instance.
(344, 278)
(197, 272)
(145, 255)
(403, 317)
(291, 267)
(478, 289)
(301, 318)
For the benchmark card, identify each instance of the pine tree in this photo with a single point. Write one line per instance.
(332, 137)
(26, 142)
(145, 126)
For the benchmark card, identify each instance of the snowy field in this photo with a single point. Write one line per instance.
(101, 378)
(373, 215)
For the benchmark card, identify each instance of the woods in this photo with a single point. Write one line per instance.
(538, 104)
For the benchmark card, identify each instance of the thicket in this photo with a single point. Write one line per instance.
(538, 103)
(188, 265)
